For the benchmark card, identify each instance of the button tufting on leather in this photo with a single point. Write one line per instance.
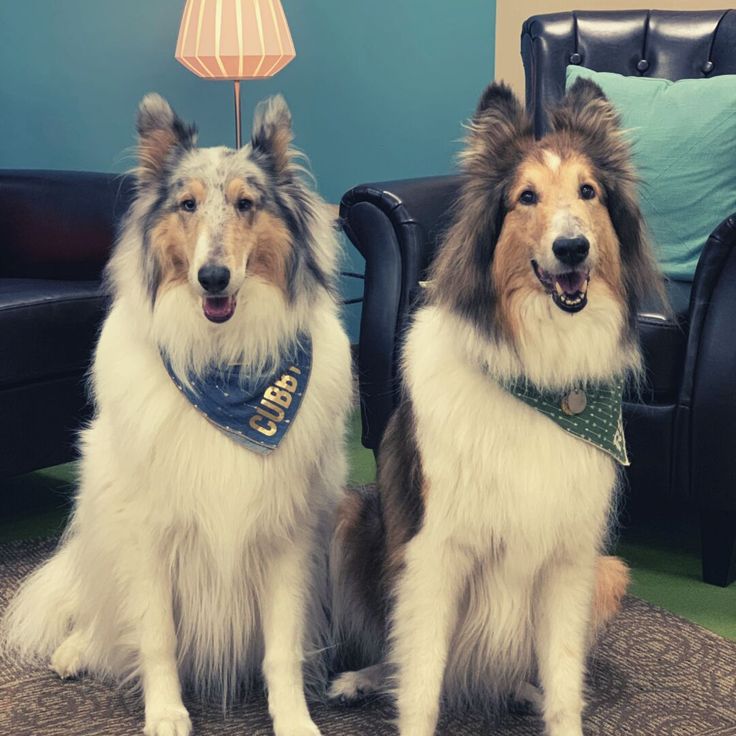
(575, 58)
(708, 67)
(642, 65)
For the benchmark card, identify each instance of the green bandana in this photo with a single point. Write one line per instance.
(593, 414)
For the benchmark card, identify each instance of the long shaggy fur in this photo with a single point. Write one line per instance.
(186, 550)
(489, 520)
(499, 136)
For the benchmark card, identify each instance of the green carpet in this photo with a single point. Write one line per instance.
(362, 462)
(665, 563)
(664, 557)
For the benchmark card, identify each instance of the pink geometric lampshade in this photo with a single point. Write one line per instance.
(234, 39)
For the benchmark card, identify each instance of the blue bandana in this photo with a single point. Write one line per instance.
(255, 412)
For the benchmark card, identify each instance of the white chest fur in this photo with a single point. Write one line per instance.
(160, 482)
(493, 464)
(506, 486)
(157, 433)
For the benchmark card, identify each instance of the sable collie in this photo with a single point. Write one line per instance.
(192, 560)
(476, 570)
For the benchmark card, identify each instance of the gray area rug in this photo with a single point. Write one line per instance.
(653, 674)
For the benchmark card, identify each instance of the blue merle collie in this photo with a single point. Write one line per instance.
(477, 570)
(193, 556)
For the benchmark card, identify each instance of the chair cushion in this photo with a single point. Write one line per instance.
(47, 328)
(664, 341)
(682, 135)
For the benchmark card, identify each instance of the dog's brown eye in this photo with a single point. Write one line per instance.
(244, 204)
(587, 191)
(528, 197)
(188, 205)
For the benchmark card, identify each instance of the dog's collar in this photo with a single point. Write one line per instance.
(256, 412)
(592, 413)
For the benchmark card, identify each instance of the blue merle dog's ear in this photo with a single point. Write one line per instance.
(272, 135)
(162, 135)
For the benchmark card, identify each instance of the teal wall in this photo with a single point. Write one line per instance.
(378, 90)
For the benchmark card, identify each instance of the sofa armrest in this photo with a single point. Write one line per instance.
(59, 224)
(709, 388)
(396, 227)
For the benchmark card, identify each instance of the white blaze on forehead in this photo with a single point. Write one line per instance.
(552, 160)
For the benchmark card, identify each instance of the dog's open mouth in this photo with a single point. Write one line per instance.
(218, 308)
(569, 290)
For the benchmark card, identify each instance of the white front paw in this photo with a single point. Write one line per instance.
(173, 721)
(66, 661)
(564, 725)
(346, 686)
(571, 730)
(298, 728)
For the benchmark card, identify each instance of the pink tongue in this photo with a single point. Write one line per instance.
(218, 308)
(572, 282)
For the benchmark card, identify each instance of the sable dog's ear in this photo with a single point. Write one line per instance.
(585, 112)
(272, 134)
(585, 109)
(587, 115)
(499, 136)
(498, 99)
(161, 133)
(499, 122)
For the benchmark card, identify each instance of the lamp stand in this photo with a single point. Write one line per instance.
(238, 125)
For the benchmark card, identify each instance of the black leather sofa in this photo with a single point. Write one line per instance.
(56, 231)
(682, 433)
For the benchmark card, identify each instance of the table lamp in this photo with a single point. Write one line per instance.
(234, 40)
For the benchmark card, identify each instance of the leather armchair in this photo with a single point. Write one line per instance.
(681, 431)
(56, 232)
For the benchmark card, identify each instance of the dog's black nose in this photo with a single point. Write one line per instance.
(571, 251)
(214, 278)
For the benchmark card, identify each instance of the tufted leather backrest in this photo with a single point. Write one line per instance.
(651, 43)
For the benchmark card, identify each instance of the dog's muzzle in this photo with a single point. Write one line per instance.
(569, 290)
(216, 306)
